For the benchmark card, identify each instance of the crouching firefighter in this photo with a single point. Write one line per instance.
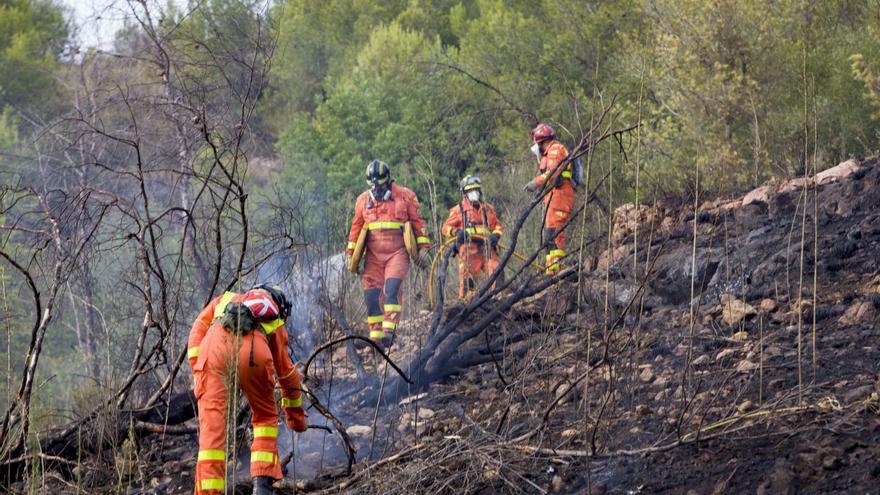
(239, 341)
(386, 222)
(559, 201)
(475, 226)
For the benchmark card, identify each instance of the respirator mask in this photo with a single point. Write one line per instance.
(536, 149)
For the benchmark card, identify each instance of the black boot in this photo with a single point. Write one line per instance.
(263, 485)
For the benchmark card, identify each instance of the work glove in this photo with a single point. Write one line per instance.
(461, 237)
(493, 240)
(296, 419)
(532, 186)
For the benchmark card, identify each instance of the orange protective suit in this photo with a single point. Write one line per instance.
(477, 256)
(558, 203)
(386, 262)
(259, 355)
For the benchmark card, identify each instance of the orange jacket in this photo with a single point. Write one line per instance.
(481, 219)
(276, 336)
(554, 153)
(384, 219)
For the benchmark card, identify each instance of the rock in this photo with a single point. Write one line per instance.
(358, 430)
(767, 305)
(643, 410)
(646, 375)
(724, 354)
(661, 380)
(859, 312)
(556, 483)
(746, 366)
(857, 394)
(758, 195)
(571, 432)
(741, 336)
(793, 185)
(425, 413)
(703, 359)
(734, 311)
(779, 481)
(841, 171)
(745, 407)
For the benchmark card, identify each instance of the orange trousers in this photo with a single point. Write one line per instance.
(559, 205)
(213, 383)
(474, 259)
(385, 267)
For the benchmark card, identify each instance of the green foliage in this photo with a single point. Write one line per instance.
(32, 37)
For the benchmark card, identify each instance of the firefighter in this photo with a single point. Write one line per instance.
(477, 230)
(239, 340)
(559, 202)
(384, 210)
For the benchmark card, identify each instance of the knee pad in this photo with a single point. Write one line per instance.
(392, 288)
(371, 299)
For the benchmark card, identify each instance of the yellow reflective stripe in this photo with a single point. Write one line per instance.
(423, 240)
(376, 334)
(375, 319)
(193, 352)
(557, 252)
(213, 484)
(471, 186)
(497, 232)
(285, 402)
(392, 307)
(384, 225)
(266, 431)
(566, 175)
(352, 245)
(477, 230)
(272, 325)
(389, 325)
(212, 455)
(221, 305)
(258, 456)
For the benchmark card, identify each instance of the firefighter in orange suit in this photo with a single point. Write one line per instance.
(477, 230)
(244, 331)
(383, 211)
(559, 202)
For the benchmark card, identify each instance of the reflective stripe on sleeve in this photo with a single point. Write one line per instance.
(265, 432)
(352, 245)
(212, 455)
(193, 352)
(423, 240)
(212, 484)
(384, 225)
(287, 403)
(263, 456)
(271, 326)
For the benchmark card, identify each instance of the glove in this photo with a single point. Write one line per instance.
(532, 186)
(493, 240)
(461, 237)
(296, 419)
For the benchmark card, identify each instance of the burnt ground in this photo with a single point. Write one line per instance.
(670, 403)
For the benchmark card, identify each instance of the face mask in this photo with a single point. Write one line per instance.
(380, 192)
(473, 196)
(536, 149)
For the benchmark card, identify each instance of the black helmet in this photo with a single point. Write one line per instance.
(378, 173)
(470, 182)
(280, 299)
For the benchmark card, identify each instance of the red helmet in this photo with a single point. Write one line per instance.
(542, 132)
(262, 305)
